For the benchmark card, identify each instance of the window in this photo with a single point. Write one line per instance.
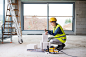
(63, 13)
(1, 14)
(36, 15)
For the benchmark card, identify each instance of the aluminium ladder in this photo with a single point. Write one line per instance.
(14, 19)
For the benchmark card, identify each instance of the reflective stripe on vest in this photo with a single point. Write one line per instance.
(60, 37)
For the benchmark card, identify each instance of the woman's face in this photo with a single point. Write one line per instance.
(52, 23)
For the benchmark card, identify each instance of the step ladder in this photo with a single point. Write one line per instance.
(14, 20)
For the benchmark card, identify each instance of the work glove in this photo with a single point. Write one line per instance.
(50, 38)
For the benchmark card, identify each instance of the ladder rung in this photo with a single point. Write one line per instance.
(11, 16)
(7, 24)
(14, 3)
(9, 27)
(6, 32)
(5, 37)
(9, 34)
(8, 21)
(14, 9)
(14, 32)
(17, 16)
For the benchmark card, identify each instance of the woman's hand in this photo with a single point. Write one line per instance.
(46, 32)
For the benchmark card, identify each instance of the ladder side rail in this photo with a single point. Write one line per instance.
(15, 21)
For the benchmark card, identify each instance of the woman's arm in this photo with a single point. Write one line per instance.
(57, 31)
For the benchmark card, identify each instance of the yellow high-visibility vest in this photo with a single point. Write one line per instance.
(60, 37)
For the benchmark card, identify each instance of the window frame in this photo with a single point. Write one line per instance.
(3, 15)
(73, 16)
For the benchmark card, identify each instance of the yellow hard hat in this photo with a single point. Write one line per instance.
(52, 19)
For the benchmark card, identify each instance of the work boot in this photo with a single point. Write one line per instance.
(60, 48)
(57, 46)
(63, 45)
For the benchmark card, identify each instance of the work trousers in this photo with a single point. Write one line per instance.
(54, 41)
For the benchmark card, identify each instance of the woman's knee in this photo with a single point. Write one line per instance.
(51, 41)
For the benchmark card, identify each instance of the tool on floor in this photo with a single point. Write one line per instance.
(52, 50)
